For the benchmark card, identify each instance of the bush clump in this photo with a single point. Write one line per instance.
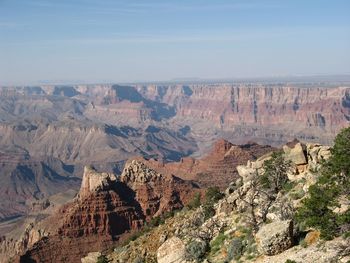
(102, 259)
(212, 195)
(195, 202)
(196, 250)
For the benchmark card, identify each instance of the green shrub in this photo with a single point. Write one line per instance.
(288, 186)
(297, 194)
(197, 250)
(275, 173)
(303, 243)
(102, 259)
(290, 261)
(208, 210)
(195, 202)
(235, 249)
(217, 243)
(212, 195)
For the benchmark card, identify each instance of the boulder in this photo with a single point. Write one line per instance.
(296, 154)
(245, 172)
(275, 237)
(312, 237)
(91, 257)
(172, 250)
(324, 153)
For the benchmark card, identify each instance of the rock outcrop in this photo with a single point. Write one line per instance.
(305, 158)
(103, 210)
(156, 193)
(92, 257)
(95, 182)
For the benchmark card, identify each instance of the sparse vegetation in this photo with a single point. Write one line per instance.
(235, 249)
(318, 208)
(212, 195)
(217, 243)
(275, 176)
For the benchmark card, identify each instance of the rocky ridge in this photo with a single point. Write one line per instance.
(228, 233)
(217, 168)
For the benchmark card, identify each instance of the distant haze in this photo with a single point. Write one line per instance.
(45, 41)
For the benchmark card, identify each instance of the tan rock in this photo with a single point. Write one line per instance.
(94, 181)
(91, 257)
(296, 154)
(312, 237)
(275, 237)
(172, 251)
(245, 172)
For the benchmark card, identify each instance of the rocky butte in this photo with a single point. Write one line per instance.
(105, 210)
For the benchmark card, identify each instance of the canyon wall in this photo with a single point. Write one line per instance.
(265, 113)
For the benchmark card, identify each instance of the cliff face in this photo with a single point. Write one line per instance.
(156, 193)
(265, 113)
(270, 113)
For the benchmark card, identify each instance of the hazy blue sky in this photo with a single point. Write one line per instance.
(125, 41)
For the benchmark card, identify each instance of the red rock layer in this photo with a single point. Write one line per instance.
(218, 168)
(156, 193)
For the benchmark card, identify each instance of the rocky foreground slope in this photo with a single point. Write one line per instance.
(231, 234)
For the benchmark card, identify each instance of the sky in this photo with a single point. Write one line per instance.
(96, 41)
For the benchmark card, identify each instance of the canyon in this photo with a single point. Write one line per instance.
(187, 136)
(104, 125)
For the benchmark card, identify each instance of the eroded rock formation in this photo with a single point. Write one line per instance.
(104, 210)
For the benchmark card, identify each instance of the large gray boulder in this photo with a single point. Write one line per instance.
(172, 250)
(275, 237)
